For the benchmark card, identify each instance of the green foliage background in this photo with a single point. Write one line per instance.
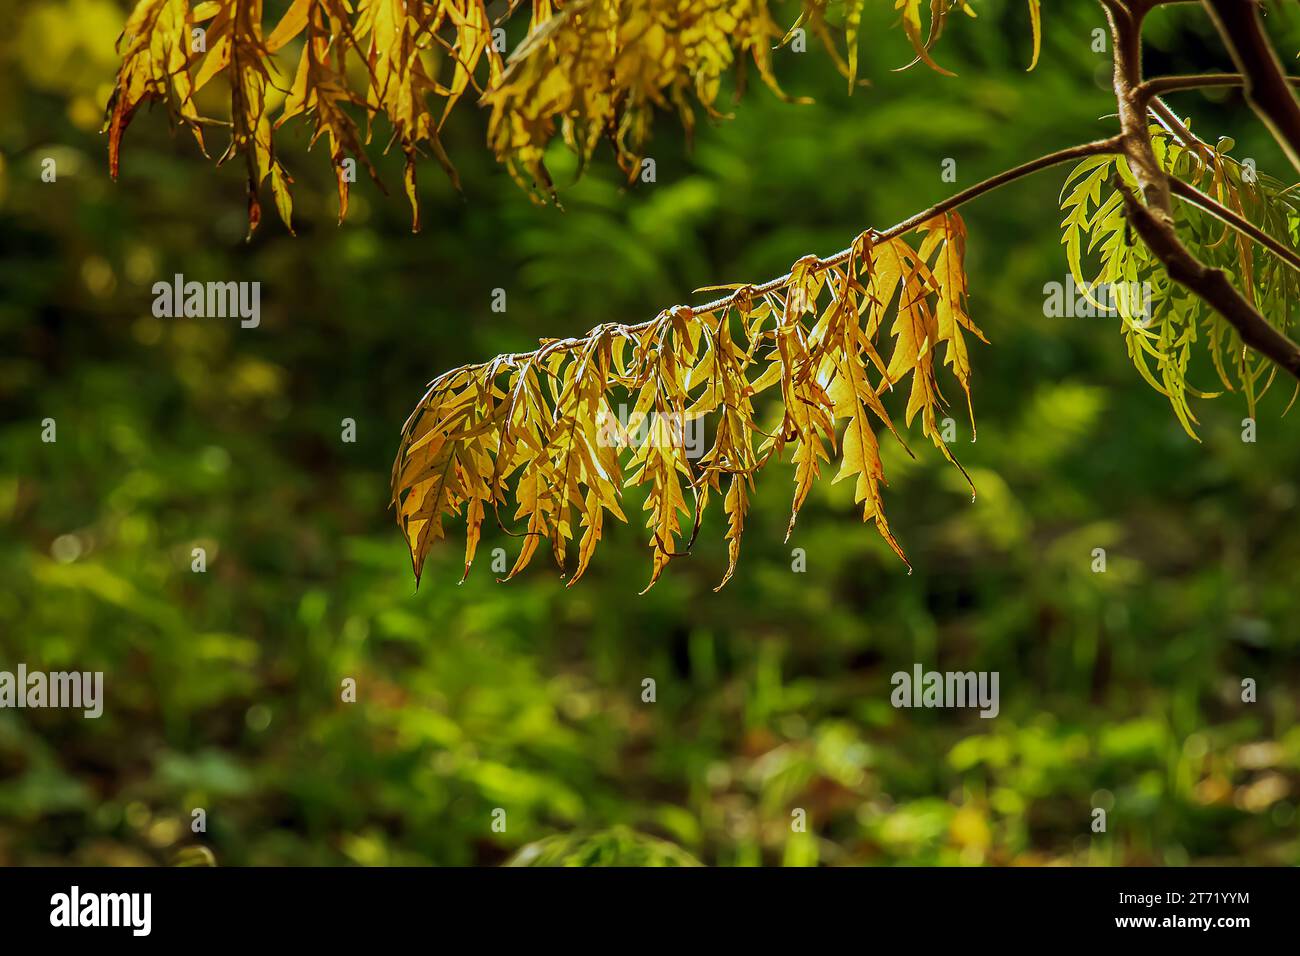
(1119, 690)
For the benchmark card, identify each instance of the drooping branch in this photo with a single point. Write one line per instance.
(1267, 88)
(1081, 151)
(540, 425)
(1134, 99)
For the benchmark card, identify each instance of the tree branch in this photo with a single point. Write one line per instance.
(1126, 38)
(1153, 219)
(1081, 151)
(1109, 145)
(1266, 86)
(1171, 121)
(1212, 285)
(1200, 81)
(1197, 198)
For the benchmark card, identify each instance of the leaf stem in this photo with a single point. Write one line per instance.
(1179, 130)
(1200, 81)
(1240, 223)
(1109, 145)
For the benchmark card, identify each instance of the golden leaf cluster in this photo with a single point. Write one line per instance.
(581, 71)
(600, 68)
(802, 365)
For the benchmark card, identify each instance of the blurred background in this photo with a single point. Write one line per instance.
(1119, 691)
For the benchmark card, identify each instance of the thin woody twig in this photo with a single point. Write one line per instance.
(1212, 285)
(1170, 121)
(1108, 145)
(1197, 198)
(1160, 85)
